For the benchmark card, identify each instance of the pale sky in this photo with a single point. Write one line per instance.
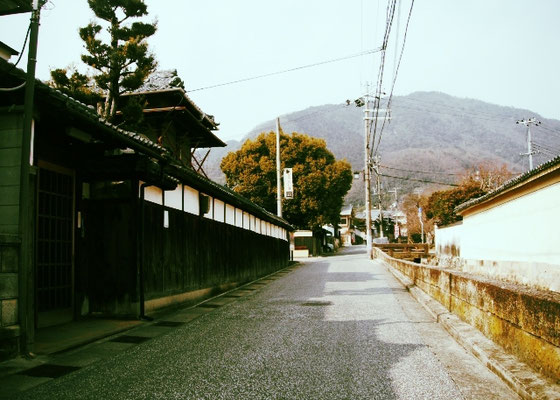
(500, 51)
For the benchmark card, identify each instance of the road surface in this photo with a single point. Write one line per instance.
(336, 327)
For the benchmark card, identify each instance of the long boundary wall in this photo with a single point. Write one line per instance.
(525, 322)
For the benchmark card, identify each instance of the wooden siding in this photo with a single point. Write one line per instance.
(11, 126)
(192, 253)
(196, 253)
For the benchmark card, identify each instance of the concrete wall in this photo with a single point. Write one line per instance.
(523, 321)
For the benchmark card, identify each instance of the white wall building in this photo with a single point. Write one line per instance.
(512, 232)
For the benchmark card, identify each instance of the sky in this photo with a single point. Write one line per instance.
(500, 51)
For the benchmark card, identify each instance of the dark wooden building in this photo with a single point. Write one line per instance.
(120, 222)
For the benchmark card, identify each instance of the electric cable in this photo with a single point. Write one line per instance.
(13, 66)
(420, 180)
(363, 53)
(422, 172)
(388, 106)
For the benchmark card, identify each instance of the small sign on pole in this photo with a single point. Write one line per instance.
(288, 184)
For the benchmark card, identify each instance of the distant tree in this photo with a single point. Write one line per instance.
(475, 182)
(440, 205)
(410, 205)
(320, 181)
(487, 175)
(123, 63)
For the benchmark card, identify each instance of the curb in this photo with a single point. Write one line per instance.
(518, 376)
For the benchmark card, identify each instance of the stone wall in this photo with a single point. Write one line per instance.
(524, 321)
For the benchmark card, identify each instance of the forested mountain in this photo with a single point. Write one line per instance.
(429, 132)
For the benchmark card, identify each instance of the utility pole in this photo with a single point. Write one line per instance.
(395, 190)
(367, 167)
(26, 282)
(530, 151)
(421, 222)
(278, 183)
(376, 169)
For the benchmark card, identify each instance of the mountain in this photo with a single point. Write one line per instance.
(428, 132)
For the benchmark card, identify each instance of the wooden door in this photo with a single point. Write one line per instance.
(55, 245)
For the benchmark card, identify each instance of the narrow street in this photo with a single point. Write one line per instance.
(338, 327)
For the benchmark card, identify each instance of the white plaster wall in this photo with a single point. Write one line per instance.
(258, 225)
(153, 194)
(219, 209)
(517, 241)
(191, 200)
(174, 198)
(246, 220)
(230, 214)
(239, 218)
(446, 238)
(253, 223)
(525, 229)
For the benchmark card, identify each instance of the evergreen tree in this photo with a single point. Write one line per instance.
(125, 62)
(76, 85)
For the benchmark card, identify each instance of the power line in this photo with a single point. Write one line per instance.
(544, 149)
(363, 53)
(395, 77)
(422, 172)
(547, 146)
(390, 14)
(551, 130)
(420, 180)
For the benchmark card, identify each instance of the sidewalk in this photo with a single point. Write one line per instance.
(62, 349)
(64, 337)
(518, 376)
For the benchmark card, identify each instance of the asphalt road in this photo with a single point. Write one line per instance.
(336, 327)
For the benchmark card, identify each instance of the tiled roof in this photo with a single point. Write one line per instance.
(160, 80)
(168, 81)
(551, 164)
(347, 210)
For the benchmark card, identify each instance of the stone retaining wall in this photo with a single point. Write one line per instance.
(524, 321)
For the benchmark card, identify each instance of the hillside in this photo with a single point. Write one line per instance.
(429, 131)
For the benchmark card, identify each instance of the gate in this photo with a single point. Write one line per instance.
(55, 246)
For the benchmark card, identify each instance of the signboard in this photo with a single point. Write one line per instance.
(288, 184)
(397, 230)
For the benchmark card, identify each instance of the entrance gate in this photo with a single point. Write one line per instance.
(55, 246)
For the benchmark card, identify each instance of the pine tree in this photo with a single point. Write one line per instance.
(124, 63)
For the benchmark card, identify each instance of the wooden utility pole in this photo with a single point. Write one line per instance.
(278, 182)
(367, 167)
(379, 195)
(26, 309)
